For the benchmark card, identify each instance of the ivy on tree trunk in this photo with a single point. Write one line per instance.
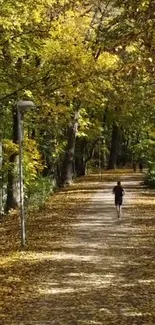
(114, 147)
(68, 162)
(12, 201)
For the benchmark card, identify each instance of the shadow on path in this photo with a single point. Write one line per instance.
(88, 268)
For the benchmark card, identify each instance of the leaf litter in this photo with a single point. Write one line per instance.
(80, 264)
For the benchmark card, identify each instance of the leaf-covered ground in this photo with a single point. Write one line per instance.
(82, 265)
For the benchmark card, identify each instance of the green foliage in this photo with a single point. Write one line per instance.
(150, 176)
(100, 55)
(32, 161)
(38, 192)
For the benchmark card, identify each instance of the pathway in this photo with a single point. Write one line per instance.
(103, 273)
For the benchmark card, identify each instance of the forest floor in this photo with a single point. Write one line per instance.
(82, 265)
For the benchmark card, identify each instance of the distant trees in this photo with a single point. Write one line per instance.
(89, 67)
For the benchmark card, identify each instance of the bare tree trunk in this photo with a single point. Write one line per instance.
(114, 147)
(67, 166)
(13, 194)
(80, 156)
(1, 160)
(1, 180)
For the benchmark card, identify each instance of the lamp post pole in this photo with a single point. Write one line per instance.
(21, 180)
(21, 106)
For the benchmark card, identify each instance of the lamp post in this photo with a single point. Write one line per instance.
(22, 105)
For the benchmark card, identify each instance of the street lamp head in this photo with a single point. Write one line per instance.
(23, 104)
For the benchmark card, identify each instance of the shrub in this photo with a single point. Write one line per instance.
(150, 176)
(38, 192)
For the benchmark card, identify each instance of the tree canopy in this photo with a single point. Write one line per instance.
(89, 68)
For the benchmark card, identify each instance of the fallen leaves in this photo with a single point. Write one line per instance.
(81, 266)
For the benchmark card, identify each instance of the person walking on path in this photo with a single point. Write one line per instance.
(118, 191)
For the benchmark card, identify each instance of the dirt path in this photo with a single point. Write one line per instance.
(102, 272)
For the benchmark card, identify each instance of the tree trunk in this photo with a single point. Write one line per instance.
(1, 180)
(12, 201)
(80, 157)
(68, 162)
(13, 186)
(80, 166)
(1, 161)
(114, 147)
